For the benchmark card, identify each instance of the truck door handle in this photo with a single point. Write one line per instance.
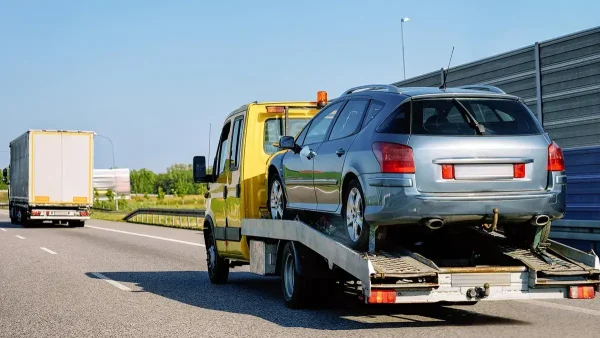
(340, 152)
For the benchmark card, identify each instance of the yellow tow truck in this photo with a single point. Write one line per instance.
(239, 230)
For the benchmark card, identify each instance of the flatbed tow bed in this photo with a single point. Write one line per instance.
(400, 275)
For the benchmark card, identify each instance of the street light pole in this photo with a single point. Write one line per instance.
(112, 147)
(402, 34)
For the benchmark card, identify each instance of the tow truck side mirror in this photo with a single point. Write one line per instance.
(287, 142)
(199, 168)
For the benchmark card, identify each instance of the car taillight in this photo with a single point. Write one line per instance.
(556, 161)
(582, 292)
(519, 170)
(394, 158)
(448, 171)
(382, 297)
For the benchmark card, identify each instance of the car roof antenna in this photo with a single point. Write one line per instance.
(443, 86)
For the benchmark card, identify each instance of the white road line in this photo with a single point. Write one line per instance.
(561, 307)
(143, 235)
(111, 282)
(48, 250)
(2, 229)
(20, 237)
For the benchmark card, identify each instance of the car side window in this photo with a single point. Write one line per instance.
(222, 153)
(398, 122)
(320, 125)
(374, 108)
(236, 143)
(302, 135)
(349, 119)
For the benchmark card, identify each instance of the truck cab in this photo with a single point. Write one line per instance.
(237, 182)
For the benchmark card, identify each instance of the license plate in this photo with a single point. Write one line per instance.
(483, 171)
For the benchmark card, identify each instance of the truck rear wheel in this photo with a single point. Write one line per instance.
(296, 288)
(217, 266)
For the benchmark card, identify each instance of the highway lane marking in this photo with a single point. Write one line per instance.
(2, 229)
(144, 235)
(110, 281)
(48, 250)
(560, 307)
(19, 237)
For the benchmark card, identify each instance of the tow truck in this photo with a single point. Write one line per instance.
(310, 255)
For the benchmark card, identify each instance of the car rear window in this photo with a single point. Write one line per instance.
(275, 128)
(498, 117)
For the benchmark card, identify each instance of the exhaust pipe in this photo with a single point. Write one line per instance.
(434, 223)
(540, 220)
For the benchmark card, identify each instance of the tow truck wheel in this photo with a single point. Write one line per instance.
(296, 288)
(353, 212)
(276, 201)
(218, 267)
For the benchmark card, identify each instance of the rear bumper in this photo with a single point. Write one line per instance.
(59, 218)
(395, 200)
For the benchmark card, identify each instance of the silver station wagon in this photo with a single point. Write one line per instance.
(380, 155)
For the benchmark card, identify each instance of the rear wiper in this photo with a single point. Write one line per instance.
(471, 119)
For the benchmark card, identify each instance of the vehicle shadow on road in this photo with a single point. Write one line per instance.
(8, 225)
(259, 296)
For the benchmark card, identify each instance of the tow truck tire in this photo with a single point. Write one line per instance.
(353, 214)
(295, 287)
(276, 198)
(217, 266)
(77, 224)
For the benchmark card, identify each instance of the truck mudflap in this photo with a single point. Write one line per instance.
(403, 276)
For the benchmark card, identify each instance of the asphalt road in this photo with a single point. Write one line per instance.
(144, 281)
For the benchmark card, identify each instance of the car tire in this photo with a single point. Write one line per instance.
(276, 200)
(217, 266)
(353, 212)
(296, 288)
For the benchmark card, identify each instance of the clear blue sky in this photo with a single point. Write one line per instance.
(152, 75)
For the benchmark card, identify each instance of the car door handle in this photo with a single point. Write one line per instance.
(340, 152)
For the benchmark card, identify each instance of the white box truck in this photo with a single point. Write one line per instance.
(50, 177)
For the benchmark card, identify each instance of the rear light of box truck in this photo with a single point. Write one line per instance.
(582, 292)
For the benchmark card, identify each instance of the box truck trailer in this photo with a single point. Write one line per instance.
(50, 177)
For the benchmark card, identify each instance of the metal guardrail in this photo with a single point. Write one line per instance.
(172, 217)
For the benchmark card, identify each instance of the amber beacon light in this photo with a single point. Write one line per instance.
(321, 98)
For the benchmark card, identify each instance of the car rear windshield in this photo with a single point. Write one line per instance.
(275, 128)
(453, 117)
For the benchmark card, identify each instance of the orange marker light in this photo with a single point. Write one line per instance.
(321, 98)
(277, 109)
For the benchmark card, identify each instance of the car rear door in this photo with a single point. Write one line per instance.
(452, 157)
(329, 162)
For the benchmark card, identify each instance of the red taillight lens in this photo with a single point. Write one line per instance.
(448, 171)
(394, 158)
(519, 170)
(582, 292)
(556, 161)
(382, 297)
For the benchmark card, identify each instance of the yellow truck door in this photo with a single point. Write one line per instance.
(218, 187)
(233, 215)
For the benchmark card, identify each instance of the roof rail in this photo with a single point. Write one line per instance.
(386, 87)
(482, 87)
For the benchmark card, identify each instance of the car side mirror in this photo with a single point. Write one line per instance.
(287, 142)
(199, 168)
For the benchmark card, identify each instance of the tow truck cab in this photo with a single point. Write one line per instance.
(237, 182)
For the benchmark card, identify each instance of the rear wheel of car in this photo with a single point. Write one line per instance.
(353, 212)
(276, 202)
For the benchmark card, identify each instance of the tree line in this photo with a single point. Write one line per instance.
(178, 180)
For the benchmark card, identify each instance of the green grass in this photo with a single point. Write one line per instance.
(3, 197)
(189, 202)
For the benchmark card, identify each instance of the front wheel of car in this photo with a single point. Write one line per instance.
(353, 212)
(276, 202)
